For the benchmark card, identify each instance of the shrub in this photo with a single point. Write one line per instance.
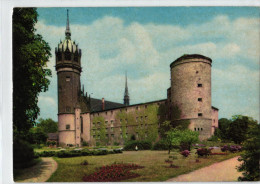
(85, 162)
(231, 148)
(185, 153)
(160, 145)
(46, 154)
(142, 145)
(116, 143)
(22, 153)
(203, 152)
(98, 144)
(85, 143)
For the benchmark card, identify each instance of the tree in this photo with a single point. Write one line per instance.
(172, 139)
(250, 158)
(48, 125)
(222, 131)
(238, 128)
(30, 56)
(188, 138)
(37, 136)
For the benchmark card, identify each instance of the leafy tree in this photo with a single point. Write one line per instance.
(37, 135)
(30, 56)
(173, 139)
(250, 158)
(182, 138)
(188, 137)
(238, 128)
(48, 125)
(223, 127)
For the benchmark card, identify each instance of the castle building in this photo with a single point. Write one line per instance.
(82, 118)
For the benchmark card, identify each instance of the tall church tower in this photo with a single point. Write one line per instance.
(126, 96)
(68, 67)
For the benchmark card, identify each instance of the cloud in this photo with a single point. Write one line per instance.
(110, 47)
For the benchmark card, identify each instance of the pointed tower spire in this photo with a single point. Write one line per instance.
(126, 96)
(67, 32)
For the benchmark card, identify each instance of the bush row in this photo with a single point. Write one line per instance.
(141, 145)
(76, 153)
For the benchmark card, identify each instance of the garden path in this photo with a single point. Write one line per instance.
(221, 171)
(40, 172)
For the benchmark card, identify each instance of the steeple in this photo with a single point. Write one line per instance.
(126, 96)
(67, 32)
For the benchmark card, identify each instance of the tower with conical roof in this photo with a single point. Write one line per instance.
(68, 67)
(126, 96)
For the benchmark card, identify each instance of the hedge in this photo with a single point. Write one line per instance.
(76, 153)
(161, 145)
(141, 145)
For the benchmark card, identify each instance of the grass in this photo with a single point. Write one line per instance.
(70, 170)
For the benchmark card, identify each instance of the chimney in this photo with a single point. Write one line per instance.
(103, 104)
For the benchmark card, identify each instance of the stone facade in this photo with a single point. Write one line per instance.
(191, 92)
(85, 119)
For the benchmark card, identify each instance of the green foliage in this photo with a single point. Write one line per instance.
(48, 125)
(222, 130)
(30, 56)
(52, 143)
(76, 153)
(37, 136)
(160, 145)
(182, 138)
(238, 128)
(22, 153)
(250, 157)
(141, 145)
(100, 130)
(85, 143)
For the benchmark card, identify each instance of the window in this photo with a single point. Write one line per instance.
(120, 120)
(136, 108)
(67, 109)
(106, 122)
(145, 106)
(197, 72)
(126, 120)
(121, 135)
(67, 127)
(107, 135)
(194, 129)
(200, 99)
(112, 129)
(94, 136)
(67, 78)
(199, 85)
(112, 121)
(136, 135)
(136, 118)
(112, 135)
(126, 109)
(120, 128)
(199, 114)
(81, 119)
(106, 113)
(201, 129)
(111, 112)
(145, 117)
(98, 123)
(141, 118)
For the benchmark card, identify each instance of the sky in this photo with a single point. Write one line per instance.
(144, 41)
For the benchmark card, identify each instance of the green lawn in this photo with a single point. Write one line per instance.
(70, 170)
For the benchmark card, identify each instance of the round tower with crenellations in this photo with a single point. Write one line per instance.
(191, 92)
(68, 67)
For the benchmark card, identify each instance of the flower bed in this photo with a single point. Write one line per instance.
(114, 172)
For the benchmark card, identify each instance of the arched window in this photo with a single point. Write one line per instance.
(81, 121)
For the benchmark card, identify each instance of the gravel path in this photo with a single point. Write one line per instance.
(221, 171)
(40, 172)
